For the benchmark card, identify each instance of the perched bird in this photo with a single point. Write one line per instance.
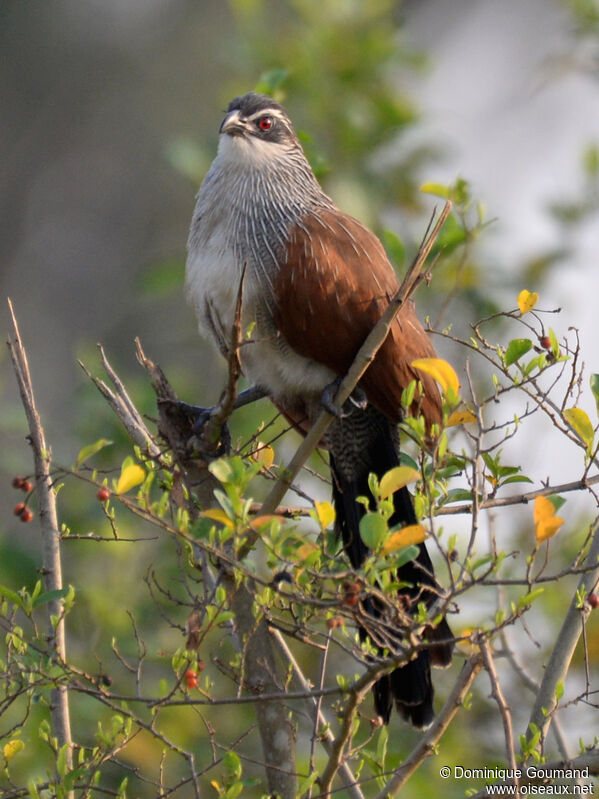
(315, 282)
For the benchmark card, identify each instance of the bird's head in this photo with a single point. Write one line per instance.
(255, 129)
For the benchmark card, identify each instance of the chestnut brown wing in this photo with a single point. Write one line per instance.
(331, 291)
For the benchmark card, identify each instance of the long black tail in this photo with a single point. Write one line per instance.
(362, 443)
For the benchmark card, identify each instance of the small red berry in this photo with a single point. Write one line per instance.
(201, 665)
(26, 486)
(103, 494)
(545, 342)
(19, 508)
(18, 482)
(594, 600)
(335, 621)
(191, 678)
(27, 515)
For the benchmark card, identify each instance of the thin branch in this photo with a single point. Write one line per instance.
(351, 785)
(427, 744)
(563, 650)
(504, 710)
(121, 404)
(51, 562)
(518, 499)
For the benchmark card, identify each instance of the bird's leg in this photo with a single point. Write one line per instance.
(357, 398)
(201, 414)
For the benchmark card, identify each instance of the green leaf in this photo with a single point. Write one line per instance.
(373, 530)
(457, 495)
(436, 189)
(516, 349)
(222, 470)
(232, 763)
(518, 478)
(50, 596)
(594, 380)
(529, 598)
(11, 595)
(404, 556)
(91, 449)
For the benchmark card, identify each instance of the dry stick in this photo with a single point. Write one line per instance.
(520, 499)
(428, 743)
(352, 787)
(504, 710)
(361, 362)
(124, 408)
(51, 566)
(561, 655)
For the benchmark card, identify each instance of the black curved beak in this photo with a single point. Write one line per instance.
(234, 124)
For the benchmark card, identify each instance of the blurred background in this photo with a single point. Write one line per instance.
(109, 118)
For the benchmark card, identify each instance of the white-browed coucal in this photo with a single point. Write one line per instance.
(315, 282)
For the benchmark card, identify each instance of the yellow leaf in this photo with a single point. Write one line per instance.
(264, 454)
(460, 417)
(12, 748)
(217, 515)
(397, 478)
(546, 522)
(412, 534)
(440, 370)
(581, 424)
(306, 549)
(258, 521)
(438, 189)
(131, 476)
(548, 528)
(543, 509)
(325, 513)
(527, 300)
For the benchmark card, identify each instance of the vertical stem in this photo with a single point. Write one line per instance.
(51, 565)
(563, 650)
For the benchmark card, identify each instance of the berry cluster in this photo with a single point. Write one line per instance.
(191, 675)
(21, 509)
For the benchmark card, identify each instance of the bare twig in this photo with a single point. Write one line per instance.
(504, 710)
(563, 650)
(51, 562)
(518, 499)
(427, 744)
(351, 786)
(124, 408)
(219, 415)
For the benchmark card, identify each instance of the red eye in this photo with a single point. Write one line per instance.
(265, 123)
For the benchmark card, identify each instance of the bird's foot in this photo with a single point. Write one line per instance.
(197, 413)
(357, 399)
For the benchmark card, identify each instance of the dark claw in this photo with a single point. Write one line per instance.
(328, 399)
(357, 398)
(199, 414)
